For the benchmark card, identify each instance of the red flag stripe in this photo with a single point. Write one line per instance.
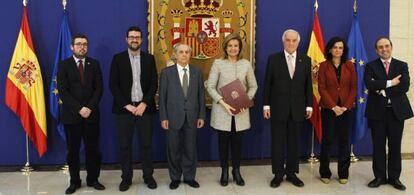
(26, 29)
(26, 115)
(318, 32)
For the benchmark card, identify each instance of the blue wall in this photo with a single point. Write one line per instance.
(105, 23)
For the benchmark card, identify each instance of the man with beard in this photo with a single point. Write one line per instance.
(133, 83)
(79, 82)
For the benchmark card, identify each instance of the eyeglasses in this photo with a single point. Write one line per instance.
(134, 37)
(81, 44)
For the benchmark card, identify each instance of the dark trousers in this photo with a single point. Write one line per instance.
(127, 124)
(285, 138)
(339, 126)
(230, 141)
(89, 132)
(182, 152)
(392, 129)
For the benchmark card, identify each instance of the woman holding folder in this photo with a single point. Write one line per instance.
(229, 126)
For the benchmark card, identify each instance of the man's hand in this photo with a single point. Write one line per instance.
(308, 114)
(130, 108)
(200, 123)
(140, 109)
(85, 112)
(396, 80)
(164, 124)
(266, 113)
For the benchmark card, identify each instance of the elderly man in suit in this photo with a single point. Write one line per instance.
(287, 101)
(388, 81)
(133, 83)
(182, 111)
(79, 82)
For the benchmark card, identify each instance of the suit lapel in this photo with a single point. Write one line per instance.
(298, 66)
(176, 78)
(75, 69)
(87, 70)
(284, 64)
(192, 80)
(393, 68)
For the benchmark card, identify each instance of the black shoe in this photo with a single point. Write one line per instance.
(237, 177)
(396, 183)
(224, 179)
(276, 182)
(72, 188)
(174, 184)
(97, 185)
(294, 180)
(124, 185)
(377, 182)
(151, 184)
(193, 183)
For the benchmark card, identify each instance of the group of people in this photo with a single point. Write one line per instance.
(288, 96)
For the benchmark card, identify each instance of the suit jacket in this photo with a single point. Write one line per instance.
(284, 95)
(173, 105)
(76, 95)
(376, 78)
(329, 88)
(223, 72)
(120, 81)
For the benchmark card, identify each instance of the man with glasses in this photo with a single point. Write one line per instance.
(133, 83)
(79, 81)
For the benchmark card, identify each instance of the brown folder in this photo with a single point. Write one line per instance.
(235, 95)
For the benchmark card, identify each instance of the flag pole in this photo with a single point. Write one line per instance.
(65, 167)
(354, 158)
(312, 158)
(27, 168)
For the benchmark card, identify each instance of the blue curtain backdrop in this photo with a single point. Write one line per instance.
(105, 23)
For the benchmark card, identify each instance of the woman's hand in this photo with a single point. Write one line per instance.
(227, 107)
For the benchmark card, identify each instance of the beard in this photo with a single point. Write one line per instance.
(134, 48)
(80, 55)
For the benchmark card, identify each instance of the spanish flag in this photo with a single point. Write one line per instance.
(24, 88)
(315, 52)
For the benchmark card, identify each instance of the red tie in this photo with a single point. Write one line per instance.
(81, 70)
(387, 66)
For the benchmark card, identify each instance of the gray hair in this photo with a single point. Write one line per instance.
(176, 46)
(290, 30)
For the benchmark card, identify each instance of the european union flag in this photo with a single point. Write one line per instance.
(358, 56)
(63, 52)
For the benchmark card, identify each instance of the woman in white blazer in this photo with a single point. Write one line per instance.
(230, 127)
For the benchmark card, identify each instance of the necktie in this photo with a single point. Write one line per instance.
(81, 70)
(387, 66)
(185, 82)
(290, 66)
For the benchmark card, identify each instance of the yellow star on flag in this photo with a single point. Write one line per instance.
(353, 60)
(361, 62)
(361, 100)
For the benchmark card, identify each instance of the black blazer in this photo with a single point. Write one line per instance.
(376, 79)
(74, 94)
(120, 81)
(284, 95)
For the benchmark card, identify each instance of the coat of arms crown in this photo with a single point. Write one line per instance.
(202, 8)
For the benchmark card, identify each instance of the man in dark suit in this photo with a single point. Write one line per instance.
(288, 96)
(388, 81)
(182, 111)
(79, 81)
(133, 83)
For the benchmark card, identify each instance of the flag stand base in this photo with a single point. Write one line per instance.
(27, 168)
(312, 159)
